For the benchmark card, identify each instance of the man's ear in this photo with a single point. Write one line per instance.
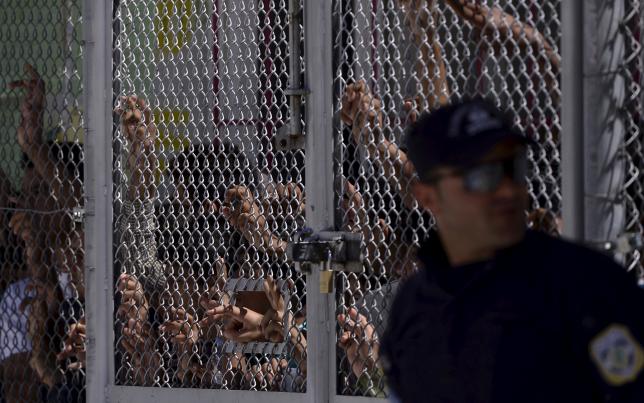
(427, 196)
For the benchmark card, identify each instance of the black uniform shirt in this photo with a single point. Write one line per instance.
(544, 321)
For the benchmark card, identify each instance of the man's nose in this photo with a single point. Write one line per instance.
(509, 188)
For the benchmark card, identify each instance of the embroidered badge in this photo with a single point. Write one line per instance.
(617, 354)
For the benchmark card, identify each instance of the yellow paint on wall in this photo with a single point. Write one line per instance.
(72, 132)
(172, 38)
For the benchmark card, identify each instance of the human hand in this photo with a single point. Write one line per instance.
(240, 208)
(285, 199)
(215, 296)
(21, 224)
(182, 329)
(139, 346)
(136, 336)
(75, 345)
(359, 341)
(140, 133)
(355, 215)
(134, 303)
(490, 20)
(184, 332)
(272, 325)
(241, 325)
(136, 121)
(31, 108)
(417, 17)
(362, 111)
(411, 107)
(244, 214)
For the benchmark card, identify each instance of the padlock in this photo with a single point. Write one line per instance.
(326, 275)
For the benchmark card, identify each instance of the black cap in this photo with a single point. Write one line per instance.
(458, 135)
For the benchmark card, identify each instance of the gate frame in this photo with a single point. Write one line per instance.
(321, 357)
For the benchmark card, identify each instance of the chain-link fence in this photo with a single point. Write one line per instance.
(208, 178)
(395, 59)
(41, 198)
(631, 71)
(205, 202)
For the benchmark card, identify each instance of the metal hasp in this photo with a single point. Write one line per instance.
(290, 136)
(337, 251)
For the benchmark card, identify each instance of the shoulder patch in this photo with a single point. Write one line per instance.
(617, 355)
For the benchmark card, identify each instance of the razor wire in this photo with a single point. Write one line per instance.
(42, 336)
(393, 60)
(205, 203)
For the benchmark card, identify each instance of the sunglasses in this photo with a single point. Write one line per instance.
(487, 176)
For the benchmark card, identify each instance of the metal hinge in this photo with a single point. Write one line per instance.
(332, 251)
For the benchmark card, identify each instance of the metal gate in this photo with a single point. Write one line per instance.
(392, 61)
(232, 175)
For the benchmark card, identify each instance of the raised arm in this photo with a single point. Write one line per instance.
(245, 214)
(66, 190)
(493, 20)
(362, 111)
(430, 68)
(137, 222)
(140, 134)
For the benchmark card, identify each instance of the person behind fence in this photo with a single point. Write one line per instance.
(49, 296)
(499, 313)
(220, 176)
(502, 31)
(362, 111)
(164, 332)
(251, 326)
(15, 371)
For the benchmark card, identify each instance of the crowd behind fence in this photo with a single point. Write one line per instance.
(206, 201)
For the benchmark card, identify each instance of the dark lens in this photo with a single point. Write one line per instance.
(518, 168)
(484, 177)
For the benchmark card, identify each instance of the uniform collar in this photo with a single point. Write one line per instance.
(432, 253)
(432, 257)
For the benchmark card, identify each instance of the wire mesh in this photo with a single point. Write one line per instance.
(393, 60)
(42, 336)
(204, 205)
(633, 194)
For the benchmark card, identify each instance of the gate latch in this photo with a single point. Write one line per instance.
(336, 251)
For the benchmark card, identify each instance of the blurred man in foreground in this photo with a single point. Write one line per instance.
(498, 313)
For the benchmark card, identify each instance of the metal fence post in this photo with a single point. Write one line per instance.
(98, 224)
(604, 95)
(572, 112)
(319, 183)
